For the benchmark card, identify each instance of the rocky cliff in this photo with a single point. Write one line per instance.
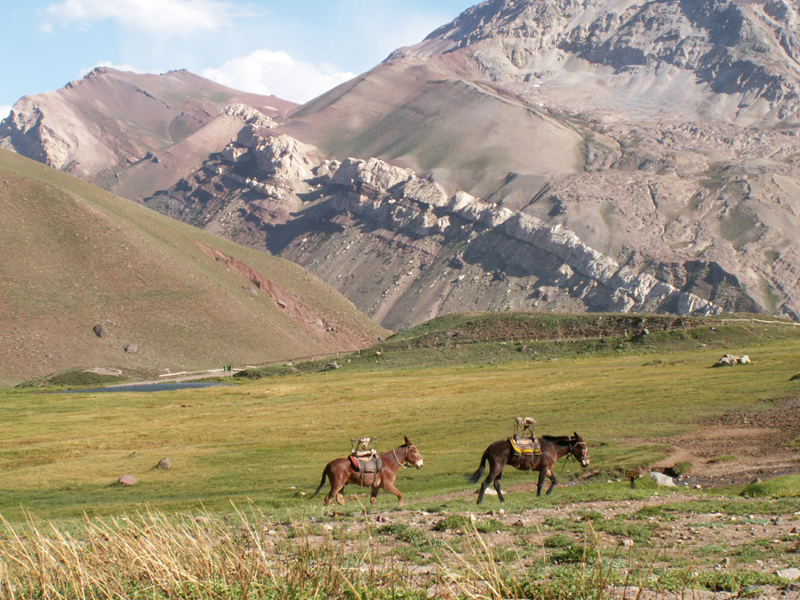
(557, 154)
(129, 133)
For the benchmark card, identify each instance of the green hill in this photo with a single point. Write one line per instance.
(91, 280)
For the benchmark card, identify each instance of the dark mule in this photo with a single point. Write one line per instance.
(501, 453)
(339, 473)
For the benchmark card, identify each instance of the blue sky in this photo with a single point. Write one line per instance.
(295, 49)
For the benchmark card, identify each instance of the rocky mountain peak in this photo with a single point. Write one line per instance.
(747, 49)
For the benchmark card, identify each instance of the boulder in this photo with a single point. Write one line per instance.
(128, 480)
(792, 574)
(662, 480)
(164, 463)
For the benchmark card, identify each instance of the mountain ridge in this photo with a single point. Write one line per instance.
(650, 150)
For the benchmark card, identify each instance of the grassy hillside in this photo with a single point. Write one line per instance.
(76, 257)
(267, 441)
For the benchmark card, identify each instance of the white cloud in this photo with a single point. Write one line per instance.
(277, 73)
(174, 17)
(5, 110)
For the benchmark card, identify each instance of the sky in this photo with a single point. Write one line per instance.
(294, 49)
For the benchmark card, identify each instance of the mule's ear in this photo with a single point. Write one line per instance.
(408, 441)
(577, 437)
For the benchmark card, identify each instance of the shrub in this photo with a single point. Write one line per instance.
(578, 553)
(558, 540)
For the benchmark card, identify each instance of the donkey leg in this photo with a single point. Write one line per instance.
(553, 481)
(336, 492)
(389, 487)
(340, 495)
(497, 487)
(486, 483)
(540, 483)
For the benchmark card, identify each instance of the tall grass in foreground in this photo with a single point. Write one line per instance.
(152, 556)
(244, 556)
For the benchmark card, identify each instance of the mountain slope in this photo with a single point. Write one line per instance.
(98, 127)
(168, 296)
(625, 155)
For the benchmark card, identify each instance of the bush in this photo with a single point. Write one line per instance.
(574, 554)
(407, 533)
(558, 540)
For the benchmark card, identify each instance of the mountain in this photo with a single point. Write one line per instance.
(132, 134)
(592, 155)
(95, 281)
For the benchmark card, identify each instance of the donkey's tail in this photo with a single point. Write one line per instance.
(321, 483)
(476, 476)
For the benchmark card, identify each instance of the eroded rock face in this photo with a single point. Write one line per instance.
(729, 47)
(26, 131)
(364, 209)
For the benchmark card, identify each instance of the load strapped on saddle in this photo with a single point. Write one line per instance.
(364, 456)
(524, 441)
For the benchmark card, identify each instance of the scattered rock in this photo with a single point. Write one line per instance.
(332, 366)
(795, 377)
(662, 480)
(99, 330)
(128, 480)
(730, 360)
(132, 348)
(164, 463)
(792, 574)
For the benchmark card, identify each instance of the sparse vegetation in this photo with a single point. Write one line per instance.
(263, 443)
(723, 458)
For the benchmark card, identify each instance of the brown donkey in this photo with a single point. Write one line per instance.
(501, 453)
(339, 473)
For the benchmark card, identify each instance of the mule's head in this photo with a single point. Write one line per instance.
(579, 450)
(412, 454)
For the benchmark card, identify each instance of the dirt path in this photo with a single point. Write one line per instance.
(739, 447)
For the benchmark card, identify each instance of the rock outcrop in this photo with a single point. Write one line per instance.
(635, 155)
(425, 221)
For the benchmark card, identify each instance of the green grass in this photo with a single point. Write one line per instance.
(267, 441)
(787, 486)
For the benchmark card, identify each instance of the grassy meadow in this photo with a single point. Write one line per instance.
(233, 518)
(266, 441)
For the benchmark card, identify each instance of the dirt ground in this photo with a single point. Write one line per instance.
(752, 445)
(740, 447)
